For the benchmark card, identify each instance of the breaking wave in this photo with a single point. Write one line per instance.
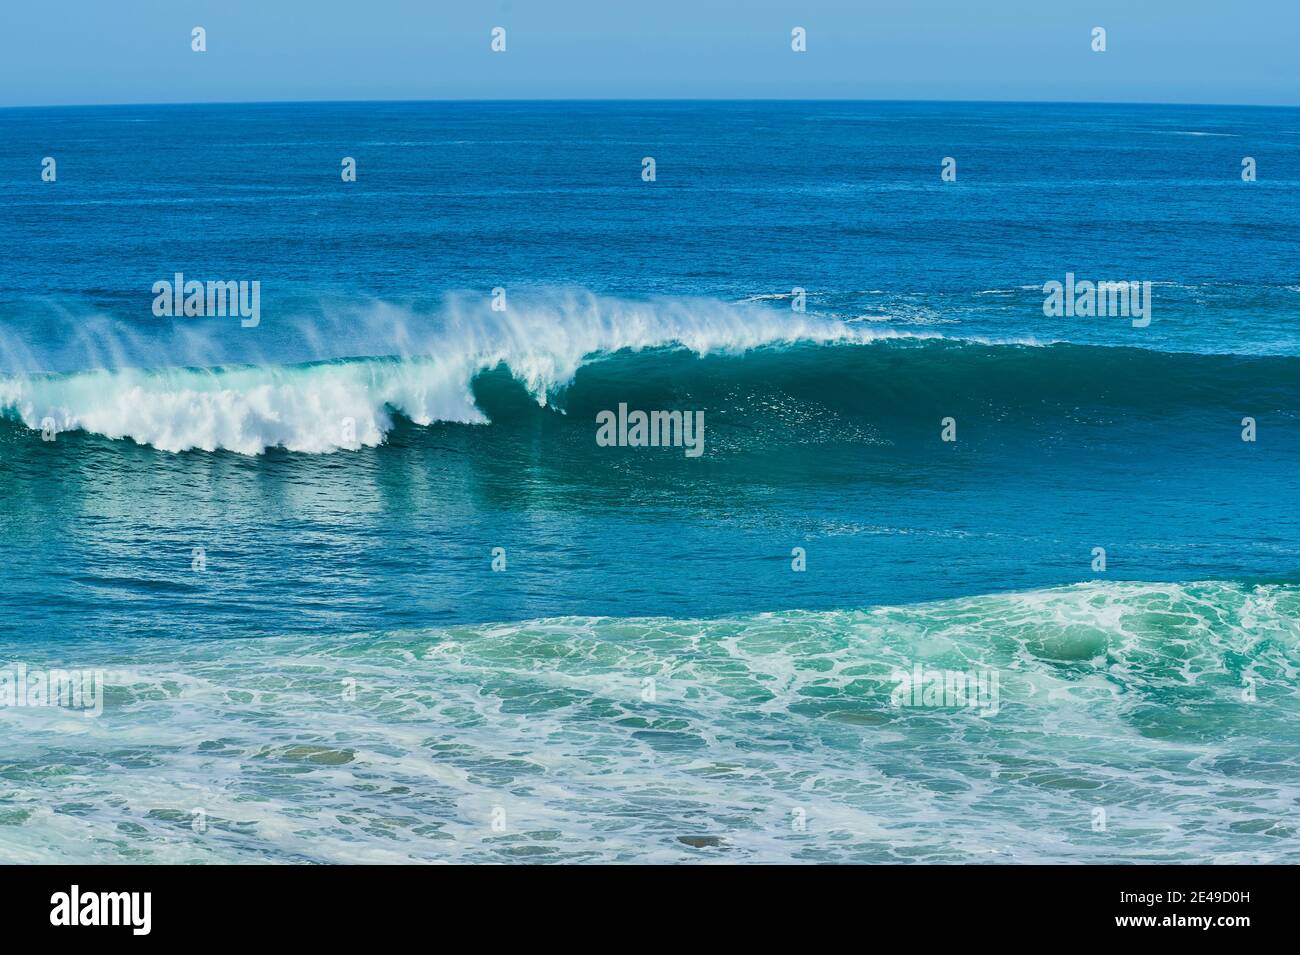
(337, 383)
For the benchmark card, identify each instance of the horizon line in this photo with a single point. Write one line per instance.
(648, 99)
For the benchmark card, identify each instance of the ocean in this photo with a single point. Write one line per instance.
(364, 585)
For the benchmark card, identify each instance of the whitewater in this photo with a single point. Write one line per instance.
(1122, 736)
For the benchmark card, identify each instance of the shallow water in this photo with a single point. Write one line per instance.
(764, 737)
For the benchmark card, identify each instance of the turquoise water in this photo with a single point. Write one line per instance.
(364, 586)
(1121, 697)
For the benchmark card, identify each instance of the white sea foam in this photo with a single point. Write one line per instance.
(1123, 696)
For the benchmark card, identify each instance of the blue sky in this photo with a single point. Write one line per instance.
(138, 51)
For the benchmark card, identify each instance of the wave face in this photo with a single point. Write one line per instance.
(818, 433)
(1135, 722)
(591, 353)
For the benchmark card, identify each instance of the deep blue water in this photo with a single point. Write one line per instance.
(349, 465)
(1059, 450)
